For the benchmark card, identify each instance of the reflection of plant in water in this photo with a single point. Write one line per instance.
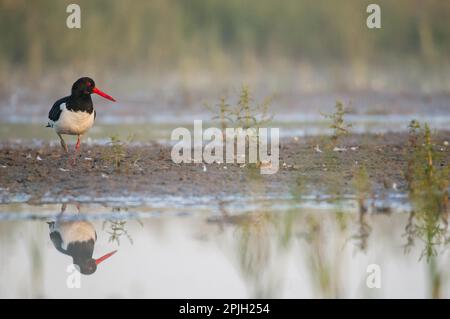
(362, 186)
(364, 190)
(324, 257)
(116, 228)
(410, 233)
(428, 192)
(262, 239)
(254, 243)
(341, 219)
(363, 232)
(320, 267)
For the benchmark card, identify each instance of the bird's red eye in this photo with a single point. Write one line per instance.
(88, 83)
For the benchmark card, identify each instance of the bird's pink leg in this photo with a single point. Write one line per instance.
(77, 149)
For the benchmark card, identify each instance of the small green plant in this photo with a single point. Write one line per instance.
(244, 113)
(224, 109)
(116, 153)
(338, 125)
(428, 191)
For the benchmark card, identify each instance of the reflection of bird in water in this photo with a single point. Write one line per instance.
(76, 239)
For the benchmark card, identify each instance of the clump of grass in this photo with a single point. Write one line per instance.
(428, 191)
(412, 148)
(223, 116)
(244, 113)
(116, 153)
(338, 124)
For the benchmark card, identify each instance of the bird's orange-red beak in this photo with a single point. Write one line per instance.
(103, 94)
(104, 257)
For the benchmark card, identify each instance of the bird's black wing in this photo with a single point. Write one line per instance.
(55, 111)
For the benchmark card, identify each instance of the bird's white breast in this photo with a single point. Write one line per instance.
(73, 123)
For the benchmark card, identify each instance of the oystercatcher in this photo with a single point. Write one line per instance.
(75, 114)
(76, 239)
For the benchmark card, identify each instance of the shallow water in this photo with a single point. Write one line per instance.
(228, 246)
(222, 250)
(290, 126)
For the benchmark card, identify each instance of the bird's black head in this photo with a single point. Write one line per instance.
(86, 86)
(83, 86)
(87, 266)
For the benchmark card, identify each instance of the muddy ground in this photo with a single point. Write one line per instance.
(148, 171)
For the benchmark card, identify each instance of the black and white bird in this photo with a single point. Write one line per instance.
(76, 238)
(75, 114)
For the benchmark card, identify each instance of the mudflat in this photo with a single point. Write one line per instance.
(307, 165)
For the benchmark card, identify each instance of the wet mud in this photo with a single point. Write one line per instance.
(307, 166)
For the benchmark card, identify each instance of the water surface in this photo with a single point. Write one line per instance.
(222, 250)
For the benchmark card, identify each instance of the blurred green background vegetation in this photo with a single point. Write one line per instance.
(221, 35)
